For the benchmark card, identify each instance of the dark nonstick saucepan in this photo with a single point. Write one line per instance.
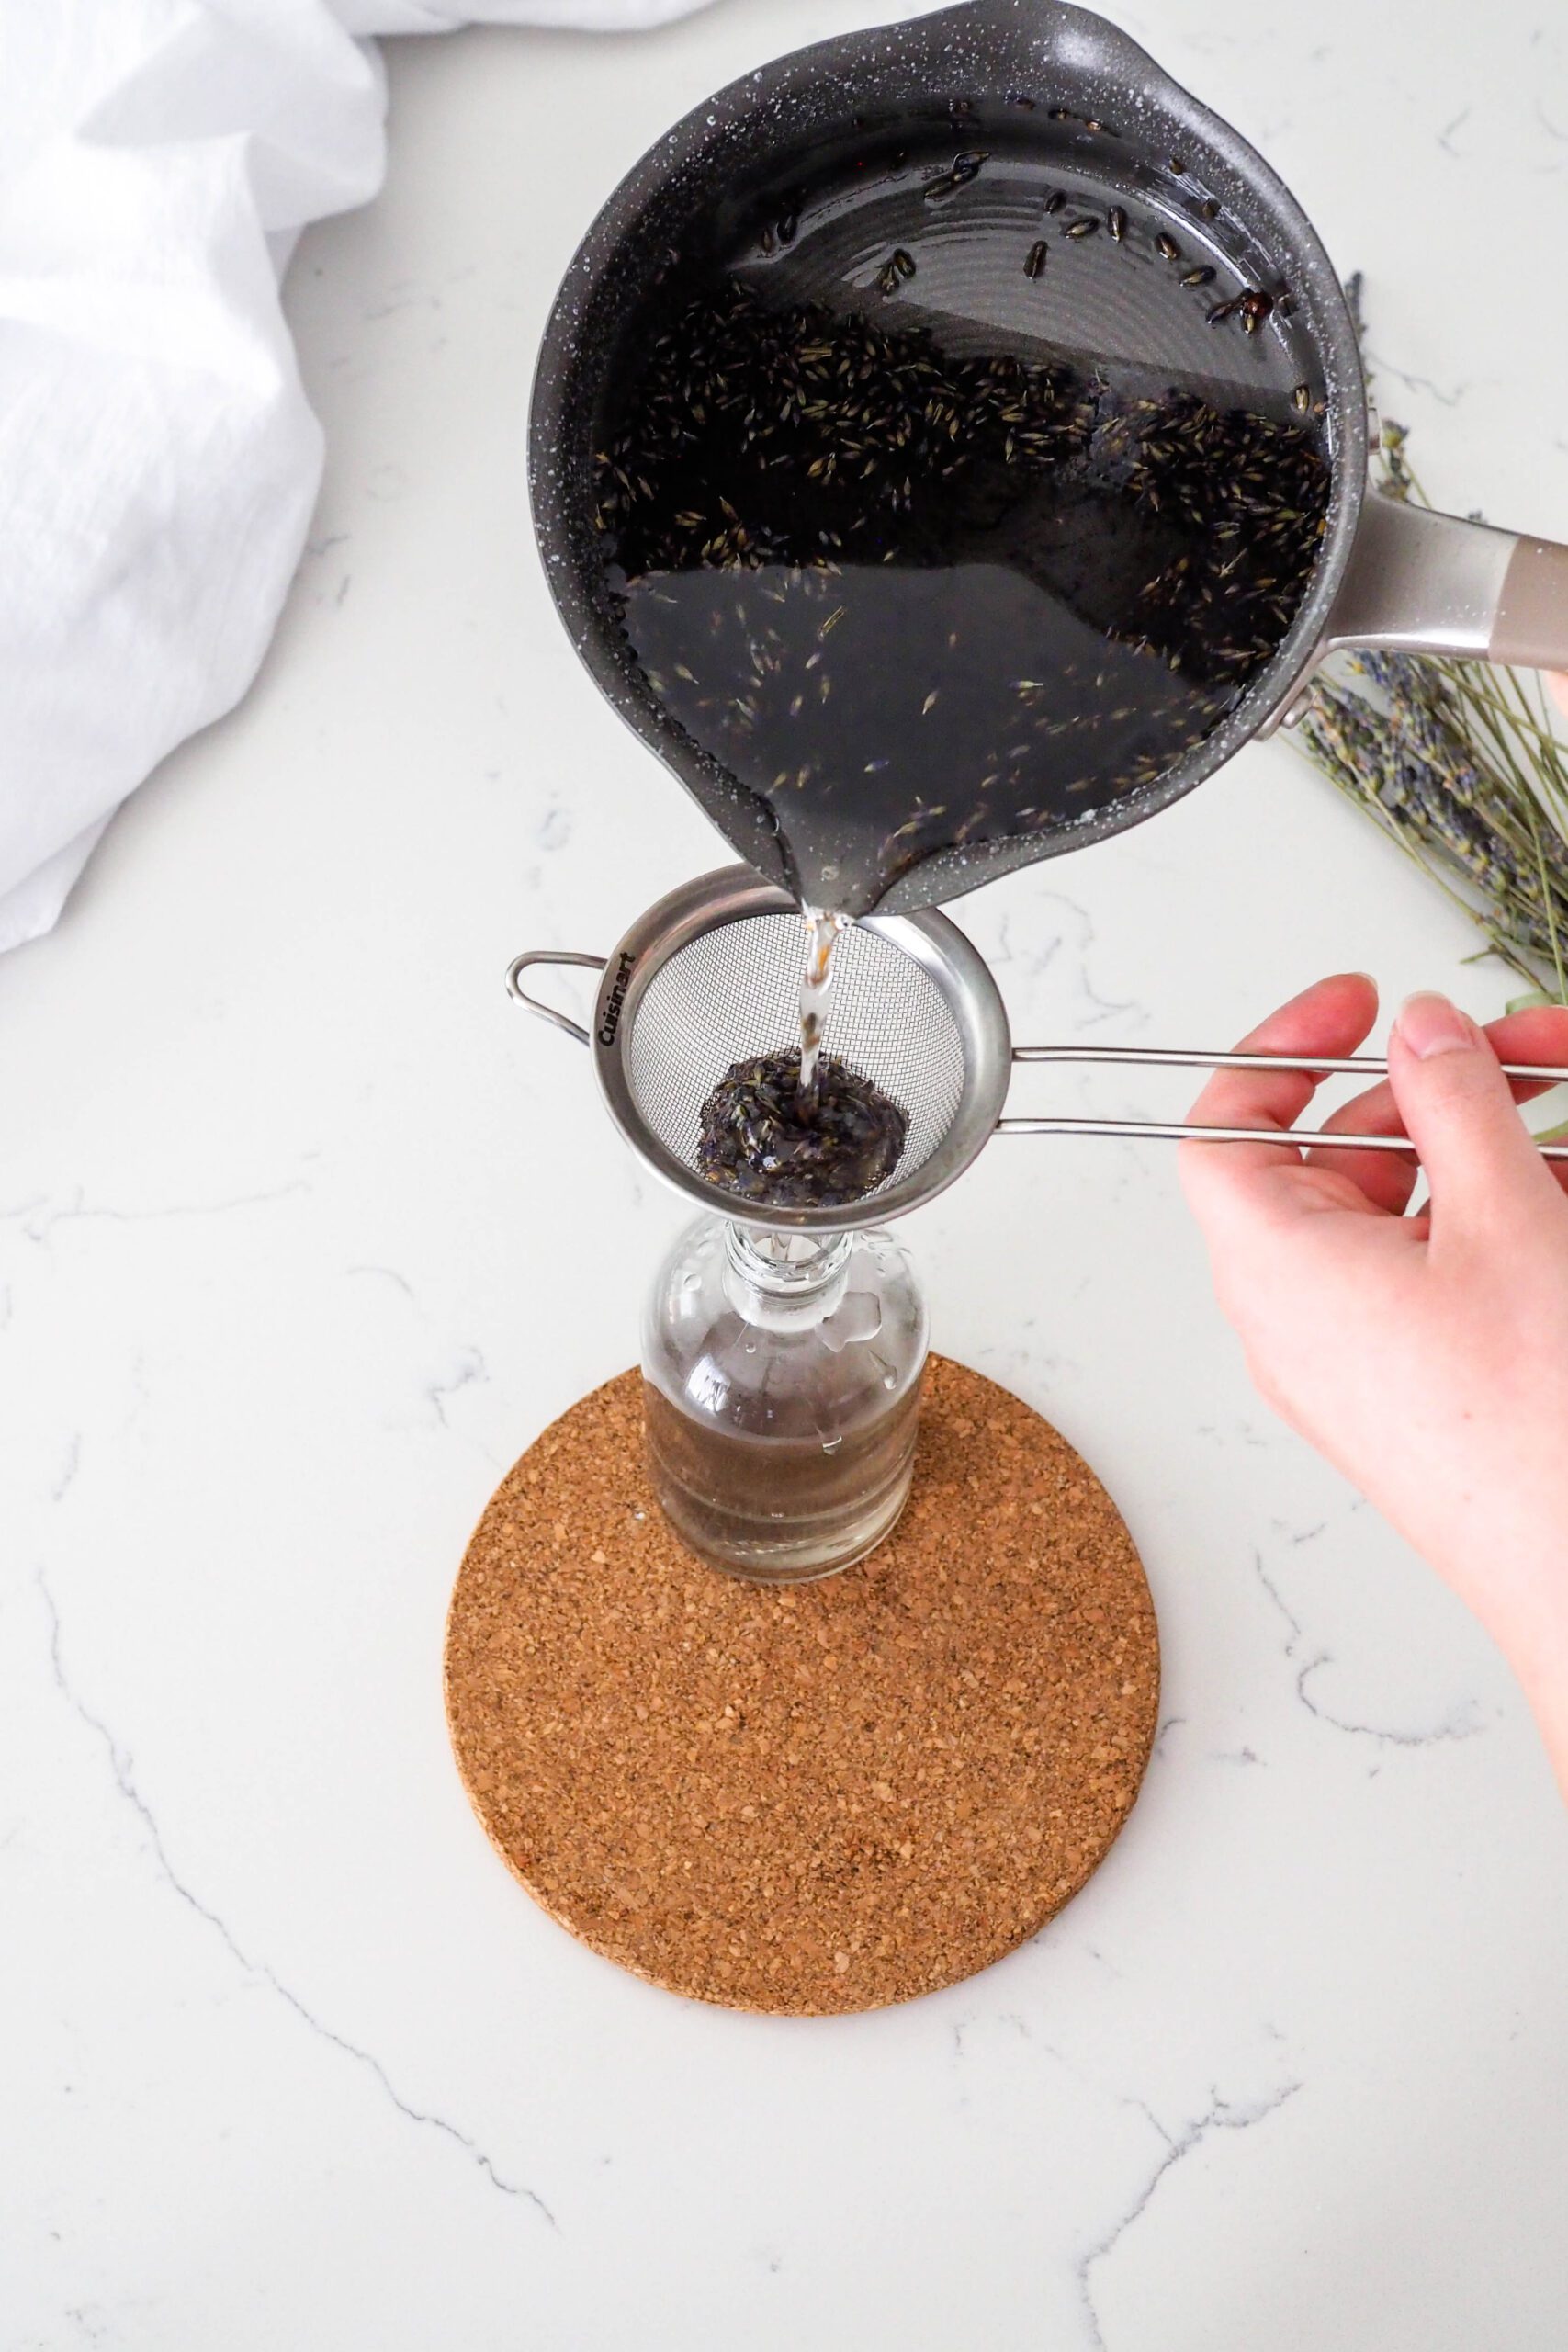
(1014, 76)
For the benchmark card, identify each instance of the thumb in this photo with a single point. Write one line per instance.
(1480, 1161)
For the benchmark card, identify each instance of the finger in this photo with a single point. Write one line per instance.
(1479, 1164)
(1540, 1034)
(1388, 1179)
(1330, 1018)
(1559, 684)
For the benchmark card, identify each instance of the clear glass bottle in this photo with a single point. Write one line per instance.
(782, 1386)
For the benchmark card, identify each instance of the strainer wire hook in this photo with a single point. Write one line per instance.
(558, 1020)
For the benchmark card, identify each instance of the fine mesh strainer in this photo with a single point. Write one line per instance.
(712, 975)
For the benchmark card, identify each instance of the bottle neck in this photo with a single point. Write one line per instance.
(786, 1281)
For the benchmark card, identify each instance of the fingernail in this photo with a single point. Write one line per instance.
(1430, 1024)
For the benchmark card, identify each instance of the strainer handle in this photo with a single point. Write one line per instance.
(1318, 1065)
(1169, 1131)
(1178, 1057)
(519, 964)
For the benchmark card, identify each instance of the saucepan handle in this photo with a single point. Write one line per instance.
(519, 964)
(1423, 582)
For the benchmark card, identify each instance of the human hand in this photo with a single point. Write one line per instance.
(1427, 1356)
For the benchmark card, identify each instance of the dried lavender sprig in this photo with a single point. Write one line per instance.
(1439, 728)
(1421, 795)
(1408, 800)
(1472, 818)
(1453, 762)
(1490, 703)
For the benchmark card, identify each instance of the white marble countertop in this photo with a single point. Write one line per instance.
(306, 1233)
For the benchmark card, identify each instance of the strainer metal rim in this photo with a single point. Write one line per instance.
(730, 894)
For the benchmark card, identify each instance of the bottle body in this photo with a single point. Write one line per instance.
(782, 1387)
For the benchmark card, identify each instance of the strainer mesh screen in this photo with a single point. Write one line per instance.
(735, 991)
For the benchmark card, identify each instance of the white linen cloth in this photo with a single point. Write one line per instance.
(158, 458)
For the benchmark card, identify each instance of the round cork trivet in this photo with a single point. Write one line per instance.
(814, 1798)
